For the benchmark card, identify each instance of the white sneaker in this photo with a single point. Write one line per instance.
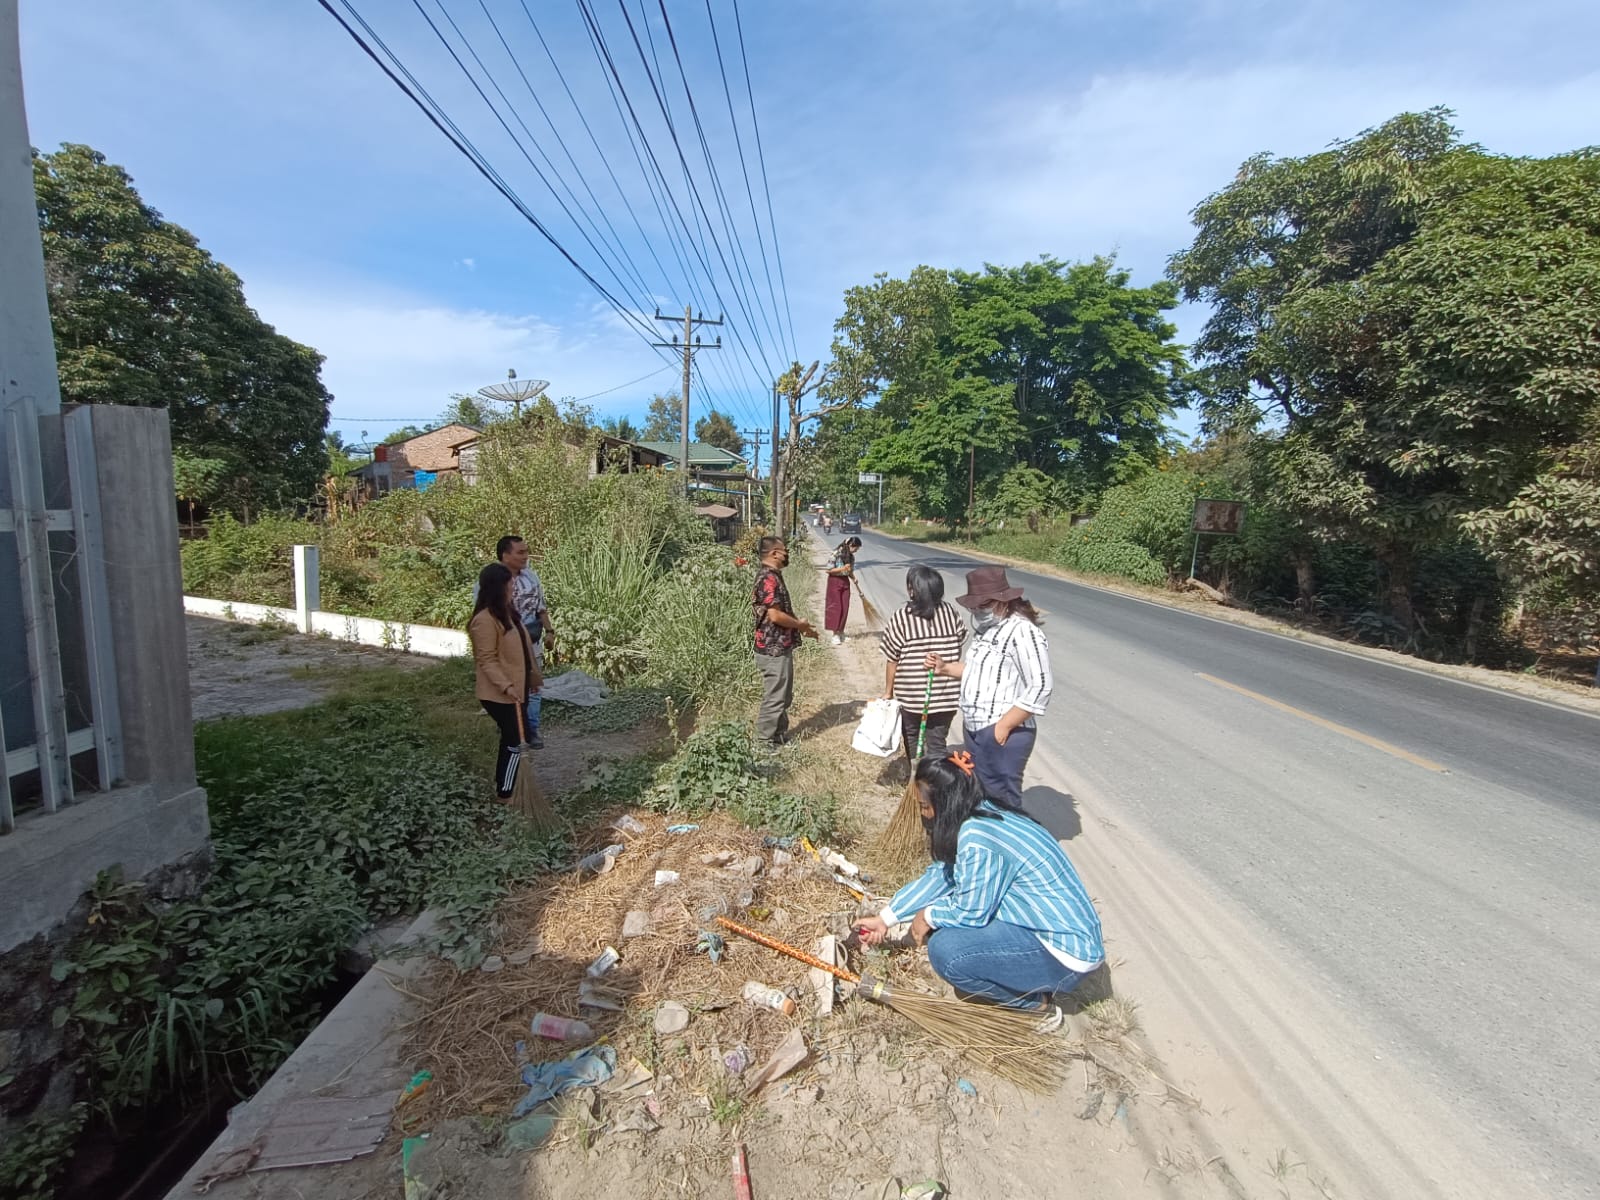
(1051, 1020)
(837, 640)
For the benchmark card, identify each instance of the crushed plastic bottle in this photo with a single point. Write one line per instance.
(560, 1029)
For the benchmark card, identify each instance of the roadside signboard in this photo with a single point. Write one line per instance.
(869, 477)
(1218, 516)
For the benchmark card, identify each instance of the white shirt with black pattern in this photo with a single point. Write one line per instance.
(1008, 666)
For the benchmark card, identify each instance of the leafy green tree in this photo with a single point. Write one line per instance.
(1406, 317)
(717, 429)
(404, 434)
(467, 410)
(620, 428)
(196, 480)
(142, 315)
(1064, 368)
(663, 420)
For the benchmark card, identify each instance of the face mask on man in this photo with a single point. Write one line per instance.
(984, 619)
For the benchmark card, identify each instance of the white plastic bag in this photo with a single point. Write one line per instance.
(879, 731)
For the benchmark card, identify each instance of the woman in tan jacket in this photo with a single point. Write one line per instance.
(506, 670)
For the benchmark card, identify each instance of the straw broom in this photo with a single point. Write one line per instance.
(527, 797)
(904, 842)
(1005, 1040)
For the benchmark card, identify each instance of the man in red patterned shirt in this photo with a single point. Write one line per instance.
(778, 631)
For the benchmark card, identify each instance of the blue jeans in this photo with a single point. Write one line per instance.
(999, 768)
(999, 962)
(530, 713)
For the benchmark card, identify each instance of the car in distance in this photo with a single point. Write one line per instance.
(850, 523)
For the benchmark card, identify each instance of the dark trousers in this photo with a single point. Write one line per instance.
(510, 757)
(934, 740)
(999, 768)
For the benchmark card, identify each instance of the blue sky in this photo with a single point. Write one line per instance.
(895, 133)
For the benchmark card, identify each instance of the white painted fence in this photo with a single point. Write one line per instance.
(308, 617)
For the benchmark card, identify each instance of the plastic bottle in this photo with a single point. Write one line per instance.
(762, 996)
(560, 1029)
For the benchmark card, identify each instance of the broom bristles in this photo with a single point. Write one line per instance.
(528, 799)
(903, 844)
(1005, 1040)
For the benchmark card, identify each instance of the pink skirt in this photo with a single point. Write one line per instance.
(837, 608)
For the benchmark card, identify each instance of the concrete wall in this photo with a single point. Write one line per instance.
(367, 631)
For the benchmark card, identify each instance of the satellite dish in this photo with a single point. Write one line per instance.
(514, 391)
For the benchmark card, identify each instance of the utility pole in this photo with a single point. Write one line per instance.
(755, 436)
(690, 344)
(777, 481)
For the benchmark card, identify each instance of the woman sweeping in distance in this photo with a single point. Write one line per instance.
(506, 671)
(926, 625)
(841, 571)
(1005, 681)
(1002, 911)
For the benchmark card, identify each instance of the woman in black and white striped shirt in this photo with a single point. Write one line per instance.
(1005, 682)
(926, 625)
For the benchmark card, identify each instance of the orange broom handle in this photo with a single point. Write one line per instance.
(772, 943)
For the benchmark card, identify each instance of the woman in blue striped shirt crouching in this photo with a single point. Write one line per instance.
(1001, 909)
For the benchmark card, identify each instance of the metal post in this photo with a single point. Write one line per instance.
(1194, 555)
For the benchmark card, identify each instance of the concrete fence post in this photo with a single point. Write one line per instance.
(307, 586)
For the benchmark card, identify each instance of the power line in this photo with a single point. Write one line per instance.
(755, 219)
(630, 383)
(462, 143)
(516, 141)
(729, 227)
(761, 157)
(699, 203)
(611, 63)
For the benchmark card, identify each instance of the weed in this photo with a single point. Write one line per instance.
(33, 1157)
(714, 769)
(727, 1108)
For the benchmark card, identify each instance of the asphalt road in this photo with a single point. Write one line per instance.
(1423, 853)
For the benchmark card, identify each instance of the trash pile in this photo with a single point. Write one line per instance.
(613, 987)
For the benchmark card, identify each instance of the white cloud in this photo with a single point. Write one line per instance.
(470, 264)
(395, 357)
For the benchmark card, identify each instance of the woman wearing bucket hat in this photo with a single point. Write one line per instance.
(1005, 681)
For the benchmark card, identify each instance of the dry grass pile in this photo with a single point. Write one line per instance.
(475, 1020)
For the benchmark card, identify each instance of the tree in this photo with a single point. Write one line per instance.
(467, 410)
(342, 458)
(404, 434)
(1405, 317)
(196, 480)
(620, 428)
(662, 422)
(1065, 369)
(142, 315)
(717, 429)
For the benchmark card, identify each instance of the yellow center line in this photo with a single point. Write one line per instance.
(1365, 739)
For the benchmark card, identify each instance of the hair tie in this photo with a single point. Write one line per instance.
(961, 759)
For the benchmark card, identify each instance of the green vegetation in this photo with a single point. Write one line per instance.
(324, 821)
(142, 315)
(640, 594)
(1399, 377)
(715, 769)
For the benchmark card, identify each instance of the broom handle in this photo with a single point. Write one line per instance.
(772, 943)
(927, 703)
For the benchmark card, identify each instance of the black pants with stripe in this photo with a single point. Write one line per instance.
(505, 766)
